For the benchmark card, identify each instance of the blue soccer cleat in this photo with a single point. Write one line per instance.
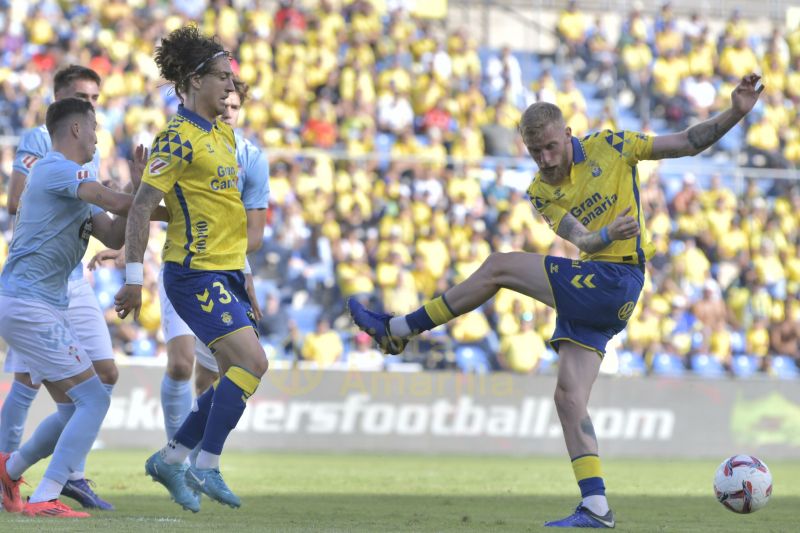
(209, 481)
(173, 477)
(583, 517)
(376, 325)
(81, 491)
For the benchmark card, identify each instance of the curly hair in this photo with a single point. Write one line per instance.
(242, 89)
(184, 53)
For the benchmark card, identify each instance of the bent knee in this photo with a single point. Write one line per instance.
(107, 371)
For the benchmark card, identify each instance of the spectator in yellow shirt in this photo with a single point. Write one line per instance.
(323, 345)
(520, 352)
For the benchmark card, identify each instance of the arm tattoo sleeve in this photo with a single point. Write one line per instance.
(572, 230)
(703, 135)
(137, 230)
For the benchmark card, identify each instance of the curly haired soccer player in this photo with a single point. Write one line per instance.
(193, 167)
(588, 192)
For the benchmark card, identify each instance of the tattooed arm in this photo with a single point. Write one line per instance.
(697, 138)
(129, 297)
(623, 227)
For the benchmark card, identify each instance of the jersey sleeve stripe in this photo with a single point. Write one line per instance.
(187, 261)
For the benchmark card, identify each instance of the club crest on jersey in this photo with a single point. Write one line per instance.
(227, 319)
(157, 165)
(596, 170)
(29, 160)
(82, 174)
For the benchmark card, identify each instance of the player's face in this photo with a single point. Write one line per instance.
(216, 85)
(83, 89)
(233, 104)
(87, 136)
(550, 148)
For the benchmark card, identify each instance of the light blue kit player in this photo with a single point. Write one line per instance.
(73, 81)
(53, 226)
(182, 345)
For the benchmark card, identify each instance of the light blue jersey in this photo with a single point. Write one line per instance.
(33, 146)
(51, 233)
(253, 174)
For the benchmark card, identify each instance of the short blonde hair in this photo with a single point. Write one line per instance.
(537, 117)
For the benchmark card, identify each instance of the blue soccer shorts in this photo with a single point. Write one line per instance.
(593, 300)
(213, 303)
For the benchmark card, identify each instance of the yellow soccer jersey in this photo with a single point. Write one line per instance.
(602, 183)
(193, 162)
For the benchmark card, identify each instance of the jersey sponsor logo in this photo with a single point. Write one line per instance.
(229, 179)
(82, 174)
(201, 229)
(593, 207)
(29, 160)
(157, 165)
(86, 229)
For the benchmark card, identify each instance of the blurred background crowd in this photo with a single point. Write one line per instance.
(396, 169)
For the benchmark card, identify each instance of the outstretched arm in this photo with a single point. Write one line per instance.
(623, 227)
(697, 138)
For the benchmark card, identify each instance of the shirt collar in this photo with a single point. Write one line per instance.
(196, 119)
(578, 153)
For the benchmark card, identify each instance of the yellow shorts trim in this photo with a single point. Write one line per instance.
(573, 341)
(227, 334)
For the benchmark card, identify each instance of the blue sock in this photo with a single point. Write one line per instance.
(80, 471)
(176, 402)
(44, 438)
(13, 415)
(91, 405)
(234, 388)
(191, 431)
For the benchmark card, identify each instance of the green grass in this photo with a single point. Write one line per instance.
(378, 493)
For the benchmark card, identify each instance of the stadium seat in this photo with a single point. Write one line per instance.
(472, 359)
(305, 317)
(665, 364)
(630, 364)
(785, 367)
(707, 366)
(744, 366)
(143, 348)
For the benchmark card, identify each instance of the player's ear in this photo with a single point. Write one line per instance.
(195, 81)
(568, 131)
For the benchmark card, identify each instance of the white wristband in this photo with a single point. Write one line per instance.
(134, 274)
(247, 269)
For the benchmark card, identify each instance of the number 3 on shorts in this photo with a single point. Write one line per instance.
(207, 303)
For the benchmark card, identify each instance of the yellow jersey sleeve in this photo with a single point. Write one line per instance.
(543, 203)
(169, 155)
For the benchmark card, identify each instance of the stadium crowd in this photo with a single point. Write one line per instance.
(396, 169)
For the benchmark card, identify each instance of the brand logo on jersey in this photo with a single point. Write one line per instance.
(596, 170)
(557, 194)
(29, 160)
(593, 207)
(227, 319)
(157, 165)
(82, 174)
(209, 148)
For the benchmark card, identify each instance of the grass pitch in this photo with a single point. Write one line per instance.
(378, 493)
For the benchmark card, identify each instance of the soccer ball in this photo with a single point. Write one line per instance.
(743, 484)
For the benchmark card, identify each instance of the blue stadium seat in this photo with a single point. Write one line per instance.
(471, 358)
(707, 366)
(744, 365)
(665, 364)
(630, 364)
(785, 367)
(305, 317)
(547, 362)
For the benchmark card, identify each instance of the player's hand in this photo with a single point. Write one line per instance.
(746, 94)
(624, 226)
(137, 165)
(250, 287)
(104, 255)
(129, 298)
